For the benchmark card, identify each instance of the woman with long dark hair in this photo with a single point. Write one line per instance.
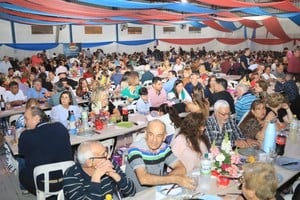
(255, 122)
(191, 143)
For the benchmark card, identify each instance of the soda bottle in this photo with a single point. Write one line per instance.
(2, 103)
(125, 114)
(280, 143)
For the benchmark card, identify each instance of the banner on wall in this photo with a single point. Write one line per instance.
(72, 49)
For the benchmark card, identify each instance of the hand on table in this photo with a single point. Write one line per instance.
(187, 182)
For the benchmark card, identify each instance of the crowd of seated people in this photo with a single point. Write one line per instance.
(181, 82)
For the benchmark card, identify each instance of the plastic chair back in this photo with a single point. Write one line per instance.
(13, 118)
(61, 195)
(45, 170)
(109, 144)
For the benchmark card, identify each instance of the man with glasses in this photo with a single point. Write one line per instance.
(95, 176)
(148, 158)
(221, 122)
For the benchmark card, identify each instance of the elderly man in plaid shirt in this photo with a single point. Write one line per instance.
(221, 122)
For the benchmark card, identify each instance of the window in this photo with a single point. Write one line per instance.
(93, 29)
(134, 30)
(194, 29)
(168, 29)
(41, 29)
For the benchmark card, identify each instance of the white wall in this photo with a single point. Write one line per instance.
(109, 34)
(5, 32)
(23, 35)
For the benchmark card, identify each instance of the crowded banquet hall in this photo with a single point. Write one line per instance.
(144, 99)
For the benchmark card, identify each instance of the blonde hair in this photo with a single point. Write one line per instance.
(261, 178)
(97, 96)
(275, 99)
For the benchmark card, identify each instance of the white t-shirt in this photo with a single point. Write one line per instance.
(267, 76)
(9, 96)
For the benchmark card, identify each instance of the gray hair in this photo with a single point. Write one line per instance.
(84, 151)
(220, 104)
(156, 121)
(244, 87)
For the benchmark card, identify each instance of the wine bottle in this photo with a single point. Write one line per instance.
(2, 103)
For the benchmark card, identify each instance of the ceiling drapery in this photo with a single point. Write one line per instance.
(224, 16)
(273, 26)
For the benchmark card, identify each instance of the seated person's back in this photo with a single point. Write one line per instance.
(41, 143)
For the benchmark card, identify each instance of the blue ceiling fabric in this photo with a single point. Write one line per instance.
(197, 24)
(252, 11)
(124, 4)
(95, 44)
(188, 8)
(136, 42)
(295, 19)
(229, 25)
(33, 46)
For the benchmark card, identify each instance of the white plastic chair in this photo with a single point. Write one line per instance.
(109, 144)
(61, 195)
(13, 118)
(47, 112)
(232, 84)
(147, 83)
(242, 119)
(45, 170)
(132, 106)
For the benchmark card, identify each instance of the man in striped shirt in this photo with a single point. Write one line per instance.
(148, 157)
(95, 176)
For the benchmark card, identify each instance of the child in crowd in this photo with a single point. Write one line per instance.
(143, 104)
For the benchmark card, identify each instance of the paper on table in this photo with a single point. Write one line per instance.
(162, 190)
(288, 163)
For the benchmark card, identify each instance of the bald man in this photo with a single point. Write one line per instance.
(147, 158)
(95, 175)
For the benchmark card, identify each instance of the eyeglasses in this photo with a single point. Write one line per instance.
(224, 114)
(98, 157)
(104, 156)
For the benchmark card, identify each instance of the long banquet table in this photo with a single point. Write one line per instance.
(208, 184)
(21, 109)
(110, 131)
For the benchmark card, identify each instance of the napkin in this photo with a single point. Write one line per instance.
(281, 161)
(210, 197)
(162, 190)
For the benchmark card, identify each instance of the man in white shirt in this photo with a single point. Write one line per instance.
(15, 96)
(178, 65)
(5, 65)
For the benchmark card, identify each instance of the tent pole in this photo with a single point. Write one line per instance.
(57, 34)
(13, 32)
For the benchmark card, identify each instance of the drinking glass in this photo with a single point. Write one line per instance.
(188, 192)
(272, 156)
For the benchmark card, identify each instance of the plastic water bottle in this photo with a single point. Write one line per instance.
(84, 119)
(205, 165)
(293, 129)
(270, 137)
(72, 124)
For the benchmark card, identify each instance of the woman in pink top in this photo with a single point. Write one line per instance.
(190, 143)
